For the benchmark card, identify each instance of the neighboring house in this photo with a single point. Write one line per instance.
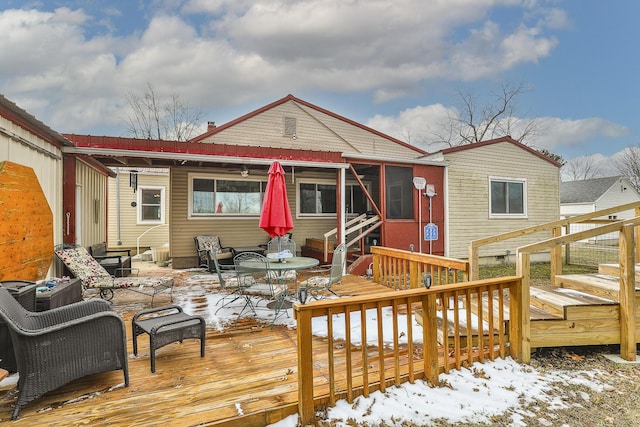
(494, 187)
(138, 208)
(73, 185)
(590, 195)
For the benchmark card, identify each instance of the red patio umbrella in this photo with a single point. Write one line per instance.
(275, 218)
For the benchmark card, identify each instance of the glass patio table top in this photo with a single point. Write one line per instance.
(288, 264)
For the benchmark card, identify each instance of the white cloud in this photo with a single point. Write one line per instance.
(222, 53)
(554, 133)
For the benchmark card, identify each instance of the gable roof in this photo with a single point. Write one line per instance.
(587, 190)
(328, 114)
(506, 138)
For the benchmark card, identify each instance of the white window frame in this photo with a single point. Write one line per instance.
(525, 197)
(322, 182)
(139, 204)
(222, 177)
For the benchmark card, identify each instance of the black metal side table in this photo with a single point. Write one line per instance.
(166, 325)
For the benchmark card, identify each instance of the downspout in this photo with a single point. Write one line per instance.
(343, 234)
(118, 206)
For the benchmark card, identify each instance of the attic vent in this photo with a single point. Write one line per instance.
(290, 126)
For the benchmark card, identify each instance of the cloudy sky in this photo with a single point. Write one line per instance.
(396, 65)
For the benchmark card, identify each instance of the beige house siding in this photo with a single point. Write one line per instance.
(314, 131)
(233, 230)
(91, 198)
(124, 233)
(47, 167)
(468, 192)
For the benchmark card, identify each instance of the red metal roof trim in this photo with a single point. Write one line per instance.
(495, 141)
(198, 148)
(307, 104)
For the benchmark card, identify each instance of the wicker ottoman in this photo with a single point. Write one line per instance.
(166, 325)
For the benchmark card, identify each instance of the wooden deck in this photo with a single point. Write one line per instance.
(247, 377)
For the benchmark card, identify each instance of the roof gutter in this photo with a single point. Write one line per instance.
(199, 157)
(378, 159)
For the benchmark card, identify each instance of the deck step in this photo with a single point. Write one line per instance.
(614, 270)
(463, 330)
(600, 285)
(567, 303)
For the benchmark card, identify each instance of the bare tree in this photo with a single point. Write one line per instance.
(152, 118)
(581, 168)
(475, 122)
(628, 164)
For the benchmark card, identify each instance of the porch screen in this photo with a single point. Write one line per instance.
(399, 189)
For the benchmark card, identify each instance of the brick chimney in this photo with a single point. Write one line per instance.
(211, 125)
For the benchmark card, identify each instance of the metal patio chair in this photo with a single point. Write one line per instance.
(325, 276)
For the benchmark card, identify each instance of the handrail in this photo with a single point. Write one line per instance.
(554, 227)
(146, 231)
(370, 353)
(400, 269)
(360, 224)
(627, 243)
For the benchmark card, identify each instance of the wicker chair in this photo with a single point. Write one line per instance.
(94, 276)
(57, 346)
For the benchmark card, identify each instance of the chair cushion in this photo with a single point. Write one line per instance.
(317, 281)
(210, 243)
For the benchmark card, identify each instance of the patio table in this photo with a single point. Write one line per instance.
(280, 269)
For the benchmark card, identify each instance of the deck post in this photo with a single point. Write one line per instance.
(637, 233)
(474, 252)
(305, 367)
(556, 256)
(520, 312)
(627, 295)
(430, 338)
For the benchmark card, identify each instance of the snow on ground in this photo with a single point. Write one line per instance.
(468, 396)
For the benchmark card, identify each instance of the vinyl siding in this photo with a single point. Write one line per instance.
(92, 205)
(315, 131)
(468, 192)
(234, 231)
(130, 230)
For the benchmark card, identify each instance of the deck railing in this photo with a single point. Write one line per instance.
(370, 342)
(399, 269)
(554, 229)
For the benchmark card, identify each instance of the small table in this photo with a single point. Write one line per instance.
(166, 325)
(63, 293)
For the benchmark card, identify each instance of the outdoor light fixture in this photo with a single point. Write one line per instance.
(302, 294)
(244, 172)
(426, 280)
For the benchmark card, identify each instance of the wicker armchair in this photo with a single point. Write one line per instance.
(57, 346)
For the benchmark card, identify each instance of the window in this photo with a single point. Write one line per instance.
(319, 199)
(150, 205)
(507, 197)
(210, 196)
(399, 189)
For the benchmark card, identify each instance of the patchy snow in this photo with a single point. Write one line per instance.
(471, 395)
